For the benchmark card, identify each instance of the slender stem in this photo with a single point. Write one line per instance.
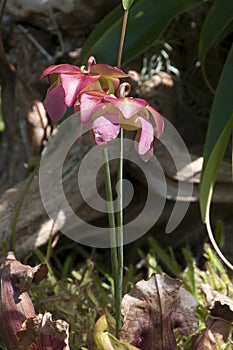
(120, 235)
(111, 220)
(19, 207)
(123, 31)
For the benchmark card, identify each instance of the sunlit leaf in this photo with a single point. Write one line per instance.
(106, 341)
(222, 107)
(218, 22)
(211, 169)
(219, 18)
(218, 134)
(147, 21)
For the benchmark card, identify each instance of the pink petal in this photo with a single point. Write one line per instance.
(73, 84)
(90, 62)
(158, 120)
(54, 103)
(107, 71)
(127, 106)
(60, 68)
(147, 156)
(105, 130)
(89, 104)
(146, 138)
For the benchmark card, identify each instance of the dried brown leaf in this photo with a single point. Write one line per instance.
(42, 333)
(153, 309)
(15, 305)
(24, 275)
(219, 304)
(218, 325)
(213, 336)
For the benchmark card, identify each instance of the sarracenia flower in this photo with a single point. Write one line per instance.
(67, 82)
(107, 114)
(96, 92)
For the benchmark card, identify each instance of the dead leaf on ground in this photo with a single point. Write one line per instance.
(153, 309)
(218, 325)
(15, 304)
(20, 327)
(42, 333)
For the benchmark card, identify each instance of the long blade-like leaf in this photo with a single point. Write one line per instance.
(218, 134)
(211, 169)
(218, 19)
(147, 21)
(222, 107)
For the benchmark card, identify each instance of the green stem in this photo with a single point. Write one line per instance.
(19, 207)
(120, 236)
(111, 220)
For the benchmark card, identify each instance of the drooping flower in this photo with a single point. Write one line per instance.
(67, 82)
(106, 114)
(96, 93)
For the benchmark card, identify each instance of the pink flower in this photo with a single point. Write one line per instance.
(107, 114)
(96, 92)
(68, 82)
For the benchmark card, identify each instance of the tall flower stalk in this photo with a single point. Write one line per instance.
(96, 93)
(120, 221)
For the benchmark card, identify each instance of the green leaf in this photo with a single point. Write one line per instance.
(106, 341)
(210, 170)
(222, 107)
(218, 19)
(167, 260)
(119, 345)
(127, 4)
(190, 272)
(147, 21)
(218, 134)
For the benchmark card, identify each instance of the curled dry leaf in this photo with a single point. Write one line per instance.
(218, 325)
(15, 304)
(153, 309)
(42, 333)
(23, 275)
